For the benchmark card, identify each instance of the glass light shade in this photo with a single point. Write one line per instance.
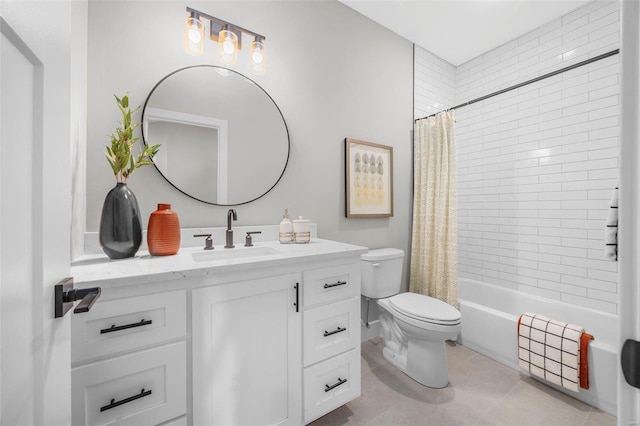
(257, 58)
(228, 47)
(194, 37)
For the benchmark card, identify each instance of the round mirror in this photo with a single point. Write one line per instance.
(223, 139)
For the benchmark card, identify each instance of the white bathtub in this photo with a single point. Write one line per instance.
(489, 326)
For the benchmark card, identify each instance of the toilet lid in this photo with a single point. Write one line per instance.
(425, 308)
(382, 254)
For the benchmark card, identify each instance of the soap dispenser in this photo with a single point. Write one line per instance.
(286, 229)
(301, 234)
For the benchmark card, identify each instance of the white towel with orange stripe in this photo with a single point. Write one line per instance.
(551, 350)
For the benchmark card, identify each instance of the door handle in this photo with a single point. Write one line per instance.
(630, 360)
(65, 295)
(87, 297)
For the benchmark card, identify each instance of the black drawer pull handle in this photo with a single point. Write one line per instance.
(335, 284)
(337, 330)
(115, 403)
(124, 327)
(327, 388)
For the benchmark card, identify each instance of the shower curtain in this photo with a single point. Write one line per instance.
(434, 246)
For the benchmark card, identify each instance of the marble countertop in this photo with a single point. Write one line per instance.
(98, 269)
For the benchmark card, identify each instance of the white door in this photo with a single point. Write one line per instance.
(629, 226)
(35, 211)
(247, 353)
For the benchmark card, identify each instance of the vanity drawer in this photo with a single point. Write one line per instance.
(114, 326)
(330, 384)
(331, 284)
(331, 329)
(146, 387)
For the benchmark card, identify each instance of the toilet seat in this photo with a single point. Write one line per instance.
(426, 309)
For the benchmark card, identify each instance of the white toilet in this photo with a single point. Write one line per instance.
(414, 326)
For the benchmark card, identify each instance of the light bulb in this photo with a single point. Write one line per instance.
(257, 57)
(258, 62)
(194, 36)
(228, 47)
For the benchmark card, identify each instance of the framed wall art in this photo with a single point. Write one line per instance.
(369, 179)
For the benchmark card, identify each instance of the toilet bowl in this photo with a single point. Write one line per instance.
(414, 327)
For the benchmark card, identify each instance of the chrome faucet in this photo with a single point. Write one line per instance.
(231, 215)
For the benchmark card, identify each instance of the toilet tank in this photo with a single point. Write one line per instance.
(381, 272)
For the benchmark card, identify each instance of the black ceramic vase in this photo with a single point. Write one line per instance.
(120, 223)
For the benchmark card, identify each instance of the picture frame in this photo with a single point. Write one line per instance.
(368, 179)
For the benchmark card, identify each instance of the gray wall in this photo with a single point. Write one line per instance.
(332, 72)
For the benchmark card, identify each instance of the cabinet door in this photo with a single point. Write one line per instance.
(247, 360)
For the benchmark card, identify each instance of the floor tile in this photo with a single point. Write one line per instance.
(457, 354)
(600, 418)
(371, 351)
(527, 404)
(481, 392)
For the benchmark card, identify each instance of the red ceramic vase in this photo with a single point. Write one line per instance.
(163, 231)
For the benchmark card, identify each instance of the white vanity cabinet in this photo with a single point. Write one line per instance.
(267, 340)
(129, 360)
(247, 366)
(331, 338)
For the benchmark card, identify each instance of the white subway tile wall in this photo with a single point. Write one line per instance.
(537, 165)
(434, 83)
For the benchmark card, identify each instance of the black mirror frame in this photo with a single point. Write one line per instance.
(144, 140)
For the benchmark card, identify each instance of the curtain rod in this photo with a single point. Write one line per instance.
(533, 80)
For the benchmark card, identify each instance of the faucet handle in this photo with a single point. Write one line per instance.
(248, 241)
(208, 241)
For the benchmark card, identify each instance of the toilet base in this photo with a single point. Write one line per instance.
(418, 352)
(427, 363)
(398, 361)
(425, 357)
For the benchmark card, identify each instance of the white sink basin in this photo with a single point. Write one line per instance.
(232, 254)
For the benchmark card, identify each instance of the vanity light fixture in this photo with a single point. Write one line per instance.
(258, 60)
(194, 36)
(229, 39)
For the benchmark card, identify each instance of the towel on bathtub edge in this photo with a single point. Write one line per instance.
(550, 349)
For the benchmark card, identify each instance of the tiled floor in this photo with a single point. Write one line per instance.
(480, 392)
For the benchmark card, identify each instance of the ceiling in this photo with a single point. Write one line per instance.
(460, 30)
